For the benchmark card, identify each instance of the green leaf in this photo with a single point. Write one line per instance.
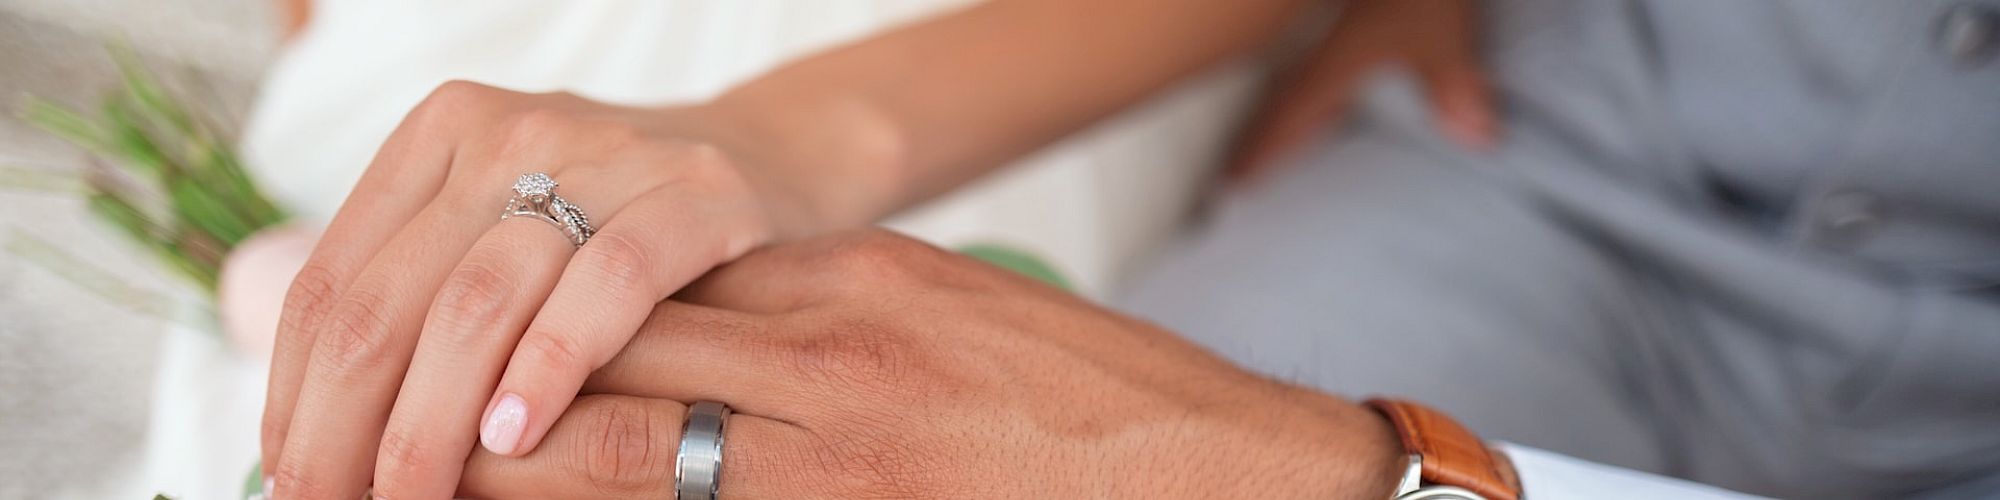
(266, 212)
(147, 92)
(1017, 261)
(64, 123)
(120, 213)
(128, 140)
(203, 272)
(200, 208)
(253, 483)
(231, 188)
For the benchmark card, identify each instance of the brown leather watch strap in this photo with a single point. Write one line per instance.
(1452, 455)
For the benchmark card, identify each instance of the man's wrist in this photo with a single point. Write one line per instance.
(1355, 455)
(1376, 455)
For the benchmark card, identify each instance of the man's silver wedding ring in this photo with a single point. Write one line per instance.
(698, 465)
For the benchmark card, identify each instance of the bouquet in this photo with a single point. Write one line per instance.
(160, 173)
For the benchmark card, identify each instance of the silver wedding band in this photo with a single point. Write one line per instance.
(698, 465)
(535, 197)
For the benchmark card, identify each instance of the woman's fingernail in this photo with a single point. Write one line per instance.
(267, 487)
(502, 431)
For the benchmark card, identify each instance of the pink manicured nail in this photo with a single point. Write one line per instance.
(502, 431)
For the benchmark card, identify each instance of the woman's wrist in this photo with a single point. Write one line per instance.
(822, 161)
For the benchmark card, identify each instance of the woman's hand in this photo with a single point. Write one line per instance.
(867, 365)
(1437, 40)
(422, 320)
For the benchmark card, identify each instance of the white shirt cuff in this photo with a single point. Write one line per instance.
(1550, 476)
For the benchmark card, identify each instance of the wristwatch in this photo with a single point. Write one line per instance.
(1446, 461)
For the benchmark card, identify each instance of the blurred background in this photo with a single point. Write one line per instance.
(79, 368)
(1776, 259)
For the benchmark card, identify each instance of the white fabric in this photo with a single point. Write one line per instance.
(1550, 476)
(201, 427)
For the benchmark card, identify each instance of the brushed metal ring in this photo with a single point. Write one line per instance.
(698, 464)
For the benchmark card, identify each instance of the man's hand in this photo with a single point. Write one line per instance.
(867, 365)
(1437, 40)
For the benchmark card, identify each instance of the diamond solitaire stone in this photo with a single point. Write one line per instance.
(535, 184)
(534, 196)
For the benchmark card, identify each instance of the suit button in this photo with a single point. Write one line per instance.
(1967, 34)
(1844, 218)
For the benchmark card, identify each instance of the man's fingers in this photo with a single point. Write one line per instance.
(794, 276)
(1462, 102)
(750, 288)
(606, 291)
(624, 447)
(687, 352)
(770, 280)
(471, 328)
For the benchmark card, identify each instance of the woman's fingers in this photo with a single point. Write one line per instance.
(359, 357)
(405, 175)
(644, 252)
(477, 315)
(624, 447)
(471, 328)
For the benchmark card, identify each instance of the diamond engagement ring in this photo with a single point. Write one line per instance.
(535, 196)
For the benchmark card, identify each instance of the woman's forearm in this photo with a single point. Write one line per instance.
(882, 123)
